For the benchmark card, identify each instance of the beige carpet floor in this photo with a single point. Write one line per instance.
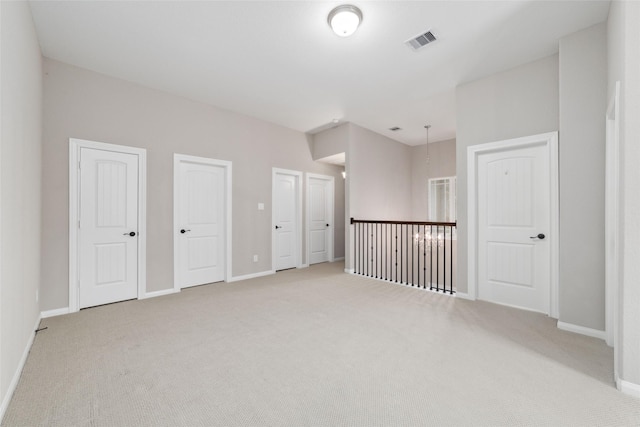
(314, 347)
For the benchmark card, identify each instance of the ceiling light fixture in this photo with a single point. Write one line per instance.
(344, 20)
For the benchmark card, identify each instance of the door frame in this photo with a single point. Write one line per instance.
(75, 145)
(548, 140)
(612, 224)
(227, 166)
(332, 184)
(298, 176)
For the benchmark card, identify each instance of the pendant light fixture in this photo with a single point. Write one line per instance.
(427, 128)
(344, 20)
(426, 239)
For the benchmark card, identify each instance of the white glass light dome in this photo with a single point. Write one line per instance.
(344, 20)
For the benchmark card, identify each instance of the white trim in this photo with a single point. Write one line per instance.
(227, 165)
(612, 226)
(550, 140)
(303, 266)
(340, 258)
(452, 198)
(554, 182)
(54, 313)
(160, 293)
(331, 200)
(471, 223)
(349, 271)
(252, 276)
(16, 375)
(463, 295)
(298, 176)
(582, 330)
(628, 388)
(5, 401)
(74, 180)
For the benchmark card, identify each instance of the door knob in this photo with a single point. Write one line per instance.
(184, 231)
(539, 236)
(277, 226)
(133, 233)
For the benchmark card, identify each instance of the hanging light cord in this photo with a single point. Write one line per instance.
(427, 128)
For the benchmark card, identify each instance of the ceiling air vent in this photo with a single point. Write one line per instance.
(395, 129)
(421, 40)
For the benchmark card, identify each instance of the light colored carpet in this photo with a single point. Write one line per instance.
(314, 347)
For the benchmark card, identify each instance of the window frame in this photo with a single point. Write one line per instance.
(452, 201)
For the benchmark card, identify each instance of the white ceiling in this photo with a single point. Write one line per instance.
(279, 61)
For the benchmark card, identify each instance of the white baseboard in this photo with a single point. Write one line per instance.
(252, 276)
(582, 330)
(464, 295)
(18, 372)
(159, 293)
(628, 388)
(303, 266)
(340, 258)
(53, 313)
(348, 270)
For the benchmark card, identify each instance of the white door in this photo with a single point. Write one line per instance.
(108, 227)
(320, 211)
(200, 232)
(514, 216)
(286, 220)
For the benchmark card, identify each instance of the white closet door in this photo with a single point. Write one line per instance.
(513, 226)
(320, 194)
(108, 228)
(201, 236)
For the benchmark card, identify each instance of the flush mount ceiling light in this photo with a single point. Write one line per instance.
(344, 20)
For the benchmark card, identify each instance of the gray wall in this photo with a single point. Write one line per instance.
(378, 179)
(379, 174)
(442, 163)
(330, 142)
(20, 146)
(82, 104)
(583, 105)
(623, 42)
(518, 102)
